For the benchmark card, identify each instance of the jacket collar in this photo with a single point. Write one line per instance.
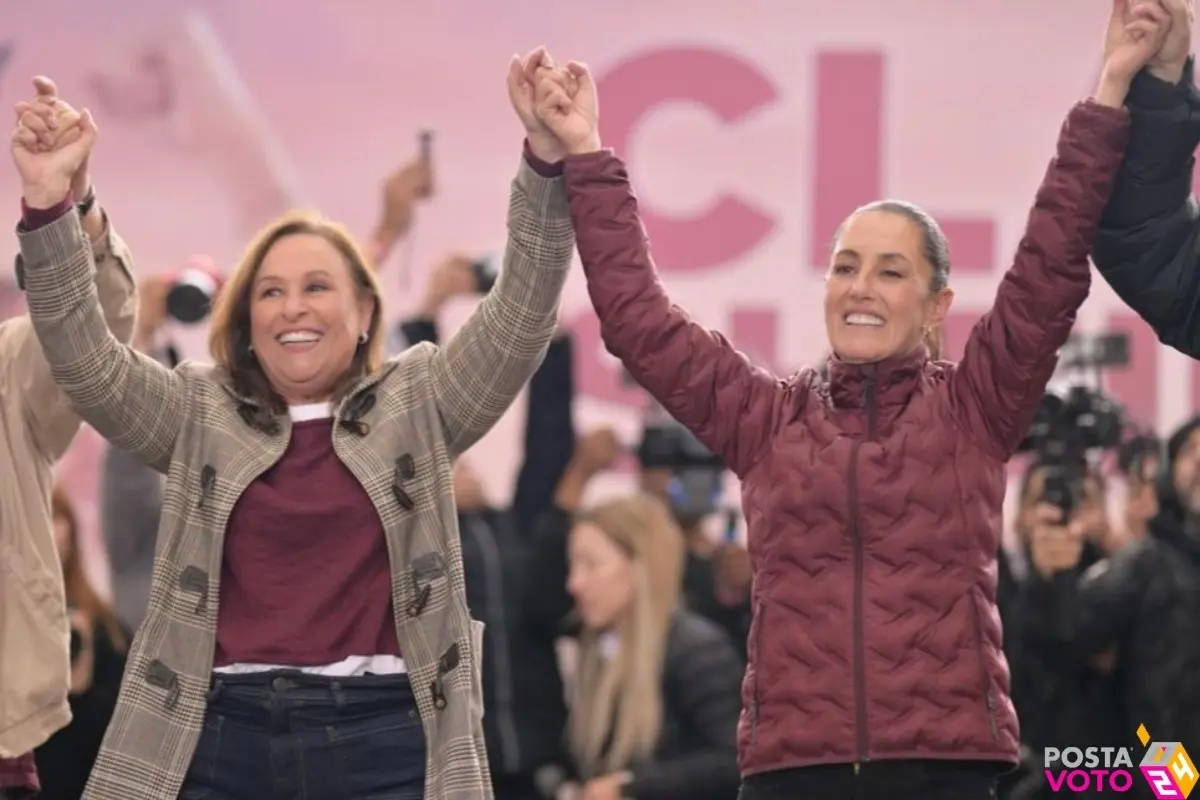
(886, 383)
(363, 384)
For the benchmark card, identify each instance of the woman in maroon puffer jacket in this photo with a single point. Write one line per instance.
(873, 498)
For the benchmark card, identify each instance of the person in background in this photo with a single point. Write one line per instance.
(654, 697)
(716, 573)
(524, 710)
(1140, 602)
(37, 424)
(1148, 245)
(1060, 700)
(308, 555)
(99, 643)
(1139, 461)
(873, 499)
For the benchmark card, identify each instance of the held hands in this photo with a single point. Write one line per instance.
(1136, 32)
(1168, 64)
(1054, 547)
(50, 146)
(557, 105)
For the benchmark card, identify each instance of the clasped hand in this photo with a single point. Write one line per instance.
(557, 105)
(51, 143)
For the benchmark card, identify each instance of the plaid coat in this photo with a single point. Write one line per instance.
(398, 432)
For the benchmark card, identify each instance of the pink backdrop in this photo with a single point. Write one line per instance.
(751, 129)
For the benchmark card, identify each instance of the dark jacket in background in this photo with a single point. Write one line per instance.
(130, 506)
(66, 759)
(524, 710)
(702, 673)
(1145, 602)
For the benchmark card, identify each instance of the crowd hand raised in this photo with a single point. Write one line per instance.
(1054, 547)
(402, 190)
(1136, 32)
(597, 450)
(567, 104)
(454, 276)
(50, 146)
(523, 75)
(1167, 65)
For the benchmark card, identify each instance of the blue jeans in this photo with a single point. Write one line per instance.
(285, 735)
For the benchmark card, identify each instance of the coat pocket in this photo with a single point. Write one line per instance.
(985, 680)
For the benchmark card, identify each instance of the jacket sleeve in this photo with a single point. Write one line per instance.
(128, 397)
(549, 434)
(53, 423)
(696, 374)
(483, 367)
(704, 676)
(1148, 246)
(1013, 350)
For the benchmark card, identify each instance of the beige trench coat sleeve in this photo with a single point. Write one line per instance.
(482, 369)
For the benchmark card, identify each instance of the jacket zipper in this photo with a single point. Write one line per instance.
(860, 656)
(753, 710)
(509, 741)
(985, 683)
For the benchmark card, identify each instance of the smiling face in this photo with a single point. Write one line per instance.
(307, 313)
(880, 293)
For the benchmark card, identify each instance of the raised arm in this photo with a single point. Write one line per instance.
(52, 422)
(483, 367)
(695, 373)
(128, 397)
(1013, 351)
(1148, 246)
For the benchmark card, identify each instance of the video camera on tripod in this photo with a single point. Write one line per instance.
(1078, 419)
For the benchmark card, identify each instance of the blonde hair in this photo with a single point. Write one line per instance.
(617, 707)
(229, 333)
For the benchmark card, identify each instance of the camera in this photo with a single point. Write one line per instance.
(193, 287)
(1077, 419)
(697, 474)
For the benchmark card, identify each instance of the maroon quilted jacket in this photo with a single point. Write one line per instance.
(874, 499)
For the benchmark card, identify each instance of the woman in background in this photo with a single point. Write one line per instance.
(654, 699)
(99, 643)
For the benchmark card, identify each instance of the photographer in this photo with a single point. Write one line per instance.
(684, 474)
(1060, 699)
(1142, 600)
(1139, 461)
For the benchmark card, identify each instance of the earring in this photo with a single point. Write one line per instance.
(362, 337)
(250, 349)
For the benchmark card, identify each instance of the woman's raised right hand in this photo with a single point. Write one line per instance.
(523, 76)
(50, 144)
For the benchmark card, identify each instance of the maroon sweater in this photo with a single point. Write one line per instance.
(305, 579)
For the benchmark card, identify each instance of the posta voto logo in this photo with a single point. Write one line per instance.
(1166, 767)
